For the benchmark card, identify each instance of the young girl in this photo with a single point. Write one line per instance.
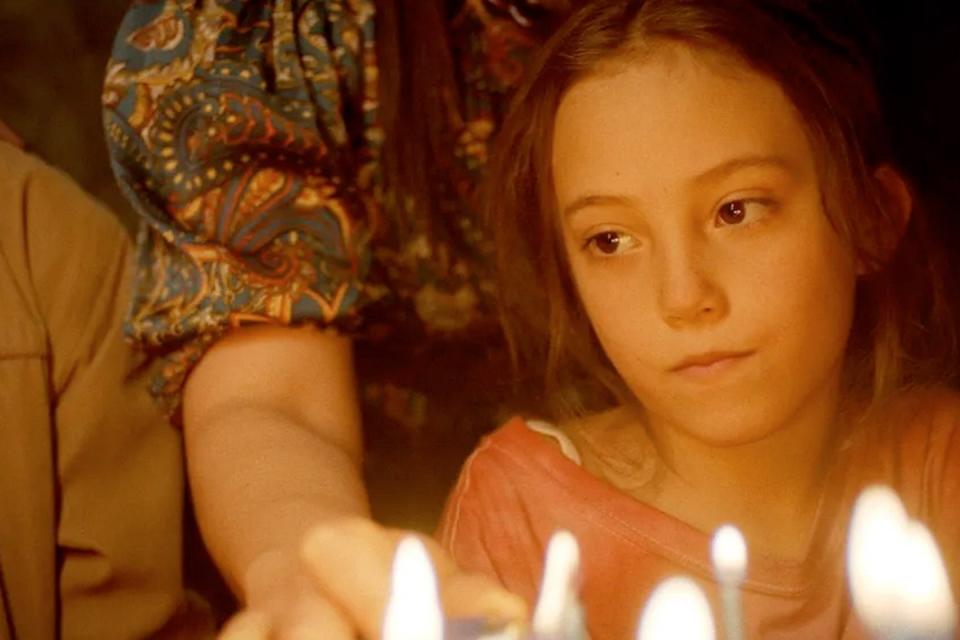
(702, 237)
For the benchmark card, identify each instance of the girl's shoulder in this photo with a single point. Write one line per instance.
(556, 436)
(534, 437)
(926, 467)
(930, 420)
(541, 440)
(912, 444)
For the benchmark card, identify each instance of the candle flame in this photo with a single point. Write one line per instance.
(677, 608)
(898, 582)
(728, 550)
(876, 529)
(413, 610)
(926, 600)
(558, 612)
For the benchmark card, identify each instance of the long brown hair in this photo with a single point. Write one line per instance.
(902, 332)
(418, 93)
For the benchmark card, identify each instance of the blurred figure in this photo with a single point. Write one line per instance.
(90, 472)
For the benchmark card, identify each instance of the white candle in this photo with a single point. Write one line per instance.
(558, 613)
(677, 609)
(729, 553)
(413, 609)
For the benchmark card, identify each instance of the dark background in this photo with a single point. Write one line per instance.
(916, 51)
(52, 59)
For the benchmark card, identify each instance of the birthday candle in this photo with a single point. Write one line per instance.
(558, 614)
(729, 553)
(413, 608)
(481, 629)
(677, 609)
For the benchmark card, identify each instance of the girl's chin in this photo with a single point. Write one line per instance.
(725, 426)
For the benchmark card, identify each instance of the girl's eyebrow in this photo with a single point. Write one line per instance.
(597, 200)
(713, 174)
(739, 163)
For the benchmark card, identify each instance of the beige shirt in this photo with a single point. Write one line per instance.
(91, 480)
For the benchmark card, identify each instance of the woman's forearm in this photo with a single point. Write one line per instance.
(260, 481)
(273, 444)
(274, 449)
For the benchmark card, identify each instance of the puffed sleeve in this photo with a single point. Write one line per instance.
(245, 135)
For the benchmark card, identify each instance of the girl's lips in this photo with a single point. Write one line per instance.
(709, 364)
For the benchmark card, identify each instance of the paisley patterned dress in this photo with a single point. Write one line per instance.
(247, 135)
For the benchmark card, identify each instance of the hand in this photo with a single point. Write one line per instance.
(340, 587)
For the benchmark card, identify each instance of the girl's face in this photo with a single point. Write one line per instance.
(692, 216)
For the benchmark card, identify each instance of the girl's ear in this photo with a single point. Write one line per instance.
(898, 204)
(896, 194)
(9, 135)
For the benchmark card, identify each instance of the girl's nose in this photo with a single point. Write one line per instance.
(689, 292)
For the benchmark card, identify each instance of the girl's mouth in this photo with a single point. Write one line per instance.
(709, 364)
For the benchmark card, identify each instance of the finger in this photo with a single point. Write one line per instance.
(350, 561)
(246, 625)
(314, 618)
(309, 619)
(473, 595)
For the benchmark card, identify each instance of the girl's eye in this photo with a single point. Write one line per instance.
(610, 243)
(737, 212)
(732, 212)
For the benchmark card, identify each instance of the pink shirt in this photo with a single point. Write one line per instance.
(518, 487)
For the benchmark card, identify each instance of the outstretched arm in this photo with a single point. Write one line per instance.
(274, 460)
(273, 447)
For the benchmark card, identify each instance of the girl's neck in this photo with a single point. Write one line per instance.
(771, 488)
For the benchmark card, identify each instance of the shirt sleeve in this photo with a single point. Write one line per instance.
(245, 135)
(486, 527)
(112, 478)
